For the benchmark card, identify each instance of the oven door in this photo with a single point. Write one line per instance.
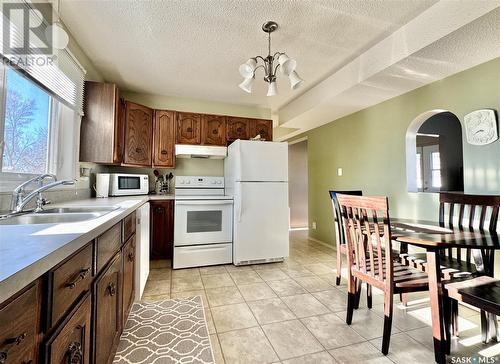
(203, 222)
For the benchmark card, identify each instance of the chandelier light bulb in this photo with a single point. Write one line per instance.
(247, 69)
(246, 85)
(272, 89)
(295, 80)
(287, 64)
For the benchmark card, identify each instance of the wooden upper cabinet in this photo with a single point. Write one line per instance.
(237, 128)
(213, 130)
(164, 139)
(101, 131)
(264, 128)
(138, 135)
(188, 128)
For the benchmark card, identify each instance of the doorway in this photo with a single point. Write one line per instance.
(297, 184)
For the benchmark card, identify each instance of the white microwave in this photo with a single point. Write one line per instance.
(121, 184)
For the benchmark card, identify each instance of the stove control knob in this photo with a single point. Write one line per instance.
(188, 181)
(181, 181)
(219, 182)
(213, 182)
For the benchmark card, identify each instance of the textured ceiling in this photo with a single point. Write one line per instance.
(192, 48)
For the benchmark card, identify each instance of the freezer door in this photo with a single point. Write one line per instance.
(261, 221)
(141, 250)
(251, 161)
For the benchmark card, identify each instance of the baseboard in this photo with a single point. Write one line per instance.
(321, 242)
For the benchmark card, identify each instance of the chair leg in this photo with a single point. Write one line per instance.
(404, 299)
(351, 298)
(484, 327)
(357, 296)
(386, 339)
(493, 326)
(447, 313)
(369, 296)
(454, 317)
(339, 265)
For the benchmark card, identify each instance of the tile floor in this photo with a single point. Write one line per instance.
(292, 312)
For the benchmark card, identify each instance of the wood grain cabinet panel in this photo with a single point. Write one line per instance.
(107, 314)
(188, 128)
(101, 131)
(164, 139)
(71, 342)
(20, 326)
(213, 130)
(264, 128)
(237, 128)
(128, 226)
(128, 277)
(67, 282)
(107, 245)
(138, 140)
(162, 229)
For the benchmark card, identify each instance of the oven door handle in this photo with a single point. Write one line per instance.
(204, 202)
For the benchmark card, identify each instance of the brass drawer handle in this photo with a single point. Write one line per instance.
(215, 132)
(164, 152)
(239, 130)
(138, 150)
(10, 343)
(189, 130)
(80, 277)
(75, 353)
(112, 289)
(131, 257)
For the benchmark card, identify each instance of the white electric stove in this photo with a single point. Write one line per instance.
(203, 227)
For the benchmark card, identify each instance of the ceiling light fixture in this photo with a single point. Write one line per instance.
(282, 61)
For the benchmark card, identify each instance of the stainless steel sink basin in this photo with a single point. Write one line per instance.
(59, 215)
(80, 209)
(53, 218)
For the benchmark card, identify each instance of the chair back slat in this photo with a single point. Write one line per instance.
(337, 216)
(372, 247)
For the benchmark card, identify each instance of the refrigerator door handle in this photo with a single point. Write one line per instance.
(240, 207)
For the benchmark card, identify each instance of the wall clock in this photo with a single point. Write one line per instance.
(481, 127)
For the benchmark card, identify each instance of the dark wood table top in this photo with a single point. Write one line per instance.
(428, 234)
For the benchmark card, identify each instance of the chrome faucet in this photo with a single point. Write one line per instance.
(40, 201)
(19, 191)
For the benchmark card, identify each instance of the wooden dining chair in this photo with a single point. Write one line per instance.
(368, 235)
(339, 229)
(468, 212)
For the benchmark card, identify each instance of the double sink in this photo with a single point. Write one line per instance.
(59, 215)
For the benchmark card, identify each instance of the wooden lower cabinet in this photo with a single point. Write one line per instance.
(128, 277)
(20, 326)
(162, 229)
(107, 311)
(71, 342)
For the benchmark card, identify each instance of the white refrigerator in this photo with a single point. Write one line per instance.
(256, 174)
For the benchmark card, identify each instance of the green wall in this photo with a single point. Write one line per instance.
(370, 147)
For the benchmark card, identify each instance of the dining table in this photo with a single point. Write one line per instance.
(436, 239)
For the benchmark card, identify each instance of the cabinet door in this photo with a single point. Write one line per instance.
(138, 134)
(164, 139)
(262, 127)
(188, 128)
(162, 229)
(128, 276)
(118, 146)
(19, 327)
(237, 128)
(213, 130)
(101, 131)
(107, 303)
(71, 343)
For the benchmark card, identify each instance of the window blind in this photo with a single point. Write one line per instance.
(59, 72)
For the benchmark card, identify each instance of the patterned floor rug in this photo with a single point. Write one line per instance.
(168, 331)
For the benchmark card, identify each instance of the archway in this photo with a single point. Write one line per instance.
(434, 152)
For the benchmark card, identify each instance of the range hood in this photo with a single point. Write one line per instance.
(200, 151)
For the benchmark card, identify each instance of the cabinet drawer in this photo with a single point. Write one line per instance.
(128, 226)
(67, 283)
(19, 326)
(107, 245)
(71, 342)
(128, 283)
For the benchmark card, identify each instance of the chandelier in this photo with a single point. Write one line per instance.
(270, 65)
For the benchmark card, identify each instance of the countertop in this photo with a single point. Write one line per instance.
(29, 251)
